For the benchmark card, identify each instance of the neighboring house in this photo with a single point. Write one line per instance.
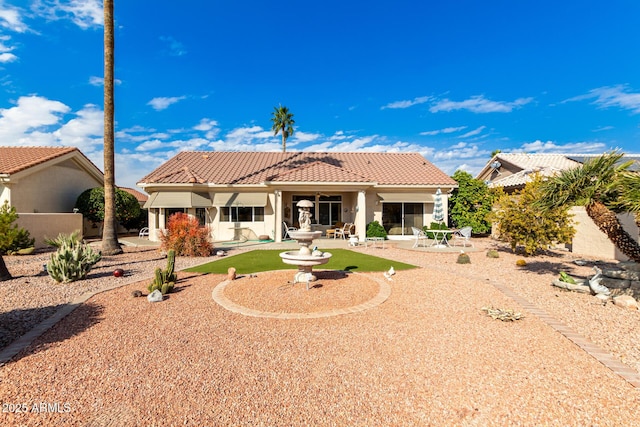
(139, 195)
(43, 184)
(45, 179)
(244, 195)
(512, 171)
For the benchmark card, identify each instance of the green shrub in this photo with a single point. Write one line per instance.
(91, 205)
(165, 280)
(471, 203)
(185, 235)
(12, 238)
(72, 261)
(375, 229)
(527, 227)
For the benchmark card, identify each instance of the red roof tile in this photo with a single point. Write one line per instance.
(259, 167)
(139, 195)
(16, 159)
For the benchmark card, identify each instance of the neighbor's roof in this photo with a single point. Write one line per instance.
(16, 159)
(539, 161)
(140, 196)
(246, 168)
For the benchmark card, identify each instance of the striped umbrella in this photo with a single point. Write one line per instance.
(438, 209)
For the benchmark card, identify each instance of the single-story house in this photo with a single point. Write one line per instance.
(43, 184)
(245, 195)
(512, 171)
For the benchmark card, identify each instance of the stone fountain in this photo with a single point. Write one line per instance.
(305, 258)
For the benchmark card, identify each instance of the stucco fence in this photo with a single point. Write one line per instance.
(49, 225)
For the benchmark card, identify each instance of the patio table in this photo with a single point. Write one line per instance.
(440, 238)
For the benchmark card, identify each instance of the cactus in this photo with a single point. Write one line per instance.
(72, 260)
(521, 263)
(164, 280)
(492, 253)
(463, 259)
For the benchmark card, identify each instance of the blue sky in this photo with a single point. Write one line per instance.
(452, 80)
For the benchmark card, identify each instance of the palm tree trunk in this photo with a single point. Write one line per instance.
(4, 272)
(608, 223)
(110, 245)
(284, 141)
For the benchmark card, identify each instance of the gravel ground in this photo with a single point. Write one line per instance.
(427, 356)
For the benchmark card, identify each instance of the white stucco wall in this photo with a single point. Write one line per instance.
(589, 241)
(54, 189)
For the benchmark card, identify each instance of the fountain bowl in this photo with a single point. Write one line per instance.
(295, 258)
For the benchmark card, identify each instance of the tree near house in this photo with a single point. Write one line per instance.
(628, 184)
(471, 203)
(283, 123)
(91, 204)
(596, 186)
(527, 227)
(110, 245)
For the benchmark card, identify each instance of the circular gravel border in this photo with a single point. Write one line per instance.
(383, 294)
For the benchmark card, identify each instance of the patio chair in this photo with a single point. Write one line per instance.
(345, 231)
(463, 236)
(144, 231)
(286, 229)
(419, 235)
(332, 231)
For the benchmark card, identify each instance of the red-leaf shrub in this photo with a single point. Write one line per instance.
(185, 235)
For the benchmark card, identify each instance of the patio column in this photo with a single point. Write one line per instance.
(361, 216)
(278, 216)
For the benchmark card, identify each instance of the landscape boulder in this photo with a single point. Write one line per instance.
(626, 301)
(155, 296)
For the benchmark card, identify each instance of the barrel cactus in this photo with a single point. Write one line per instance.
(463, 259)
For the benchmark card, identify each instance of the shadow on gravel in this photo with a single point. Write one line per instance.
(82, 318)
(17, 322)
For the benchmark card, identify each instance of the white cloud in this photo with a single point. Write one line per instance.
(175, 47)
(479, 104)
(612, 96)
(99, 81)
(10, 19)
(474, 132)
(83, 13)
(162, 103)
(206, 125)
(31, 114)
(406, 104)
(445, 131)
(461, 150)
(572, 147)
(303, 137)
(7, 57)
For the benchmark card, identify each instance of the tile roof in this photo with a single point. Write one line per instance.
(247, 168)
(16, 159)
(139, 195)
(533, 161)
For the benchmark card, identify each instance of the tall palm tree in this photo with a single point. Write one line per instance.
(110, 245)
(594, 186)
(282, 123)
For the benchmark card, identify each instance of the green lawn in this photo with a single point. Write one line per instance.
(266, 260)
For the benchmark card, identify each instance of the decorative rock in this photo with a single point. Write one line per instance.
(136, 294)
(155, 296)
(622, 274)
(603, 298)
(231, 273)
(118, 272)
(220, 253)
(615, 283)
(630, 266)
(626, 301)
(264, 237)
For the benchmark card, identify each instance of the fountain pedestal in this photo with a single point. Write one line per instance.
(305, 259)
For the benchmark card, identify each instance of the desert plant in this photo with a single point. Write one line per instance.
(521, 263)
(185, 235)
(471, 203)
(91, 205)
(527, 227)
(72, 260)
(375, 229)
(12, 237)
(463, 258)
(565, 277)
(165, 280)
(62, 239)
(492, 253)
(506, 315)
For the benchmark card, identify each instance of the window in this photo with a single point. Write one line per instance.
(242, 214)
(201, 214)
(330, 207)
